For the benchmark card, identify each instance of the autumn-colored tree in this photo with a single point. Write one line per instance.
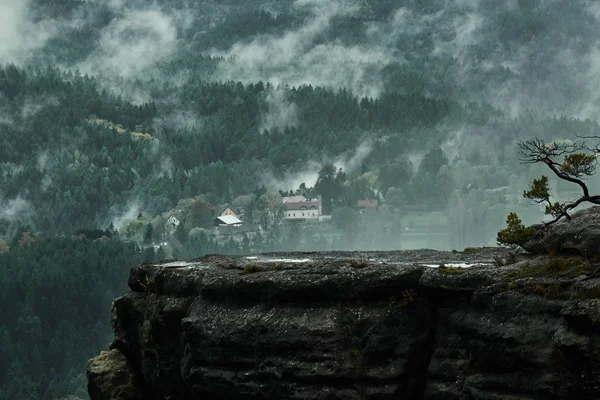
(4, 248)
(27, 239)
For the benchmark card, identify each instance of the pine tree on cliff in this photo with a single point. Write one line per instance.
(570, 161)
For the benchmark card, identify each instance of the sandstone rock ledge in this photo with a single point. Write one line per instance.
(356, 326)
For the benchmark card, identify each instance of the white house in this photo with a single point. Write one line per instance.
(299, 208)
(225, 220)
(171, 224)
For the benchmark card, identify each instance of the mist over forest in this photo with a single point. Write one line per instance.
(401, 116)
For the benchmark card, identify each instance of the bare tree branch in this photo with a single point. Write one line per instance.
(569, 161)
(537, 150)
(596, 149)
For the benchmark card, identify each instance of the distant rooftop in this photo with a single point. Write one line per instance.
(228, 220)
(367, 203)
(294, 199)
(306, 205)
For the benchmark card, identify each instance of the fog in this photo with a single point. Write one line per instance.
(521, 64)
(294, 58)
(280, 113)
(132, 43)
(349, 163)
(128, 126)
(21, 36)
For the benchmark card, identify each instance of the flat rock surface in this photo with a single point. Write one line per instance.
(366, 325)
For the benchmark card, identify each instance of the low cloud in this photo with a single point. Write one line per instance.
(124, 216)
(353, 162)
(590, 108)
(177, 120)
(46, 183)
(348, 162)
(43, 161)
(280, 113)
(15, 209)
(6, 120)
(295, 57)
(20, 35)
(166, 166)
(131, 43)
(33, 105)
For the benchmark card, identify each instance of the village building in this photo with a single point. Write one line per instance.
(301, 208)
(238, 233)
(294, 199)
(228, 211)
(226, 220)
(171, 224)
(364, 205)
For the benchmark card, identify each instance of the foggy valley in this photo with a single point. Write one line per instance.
(134, 130)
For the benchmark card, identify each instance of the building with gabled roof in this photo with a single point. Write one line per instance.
(228, 211)
(171, 224)
(227, 220)
(301, 208)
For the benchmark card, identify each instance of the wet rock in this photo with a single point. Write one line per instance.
(110, 377)
(358, 325)
(579, 235)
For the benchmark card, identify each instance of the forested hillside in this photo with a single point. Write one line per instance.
(129, 104)
(55, 312)
(115, 116)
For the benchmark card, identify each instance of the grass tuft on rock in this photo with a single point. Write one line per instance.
(586, 293)
(472, 250)
(555, 267)
(451, 270)
(251, 269)
(359, 263)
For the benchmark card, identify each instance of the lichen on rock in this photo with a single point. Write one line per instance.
(110, 377)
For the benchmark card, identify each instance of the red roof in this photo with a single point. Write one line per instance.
(304, 205)
(367, 203)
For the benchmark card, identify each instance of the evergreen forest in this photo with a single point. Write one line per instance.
(116, 116)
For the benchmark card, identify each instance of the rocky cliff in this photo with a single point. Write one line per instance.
(356, 326)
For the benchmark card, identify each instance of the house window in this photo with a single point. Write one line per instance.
(303, 214)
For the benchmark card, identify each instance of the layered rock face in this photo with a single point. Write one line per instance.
(354, 326)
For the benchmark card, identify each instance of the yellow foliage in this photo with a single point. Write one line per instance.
(140, 135)
(135, 227)
(579, 164)
(27, 239)
(93, 120)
